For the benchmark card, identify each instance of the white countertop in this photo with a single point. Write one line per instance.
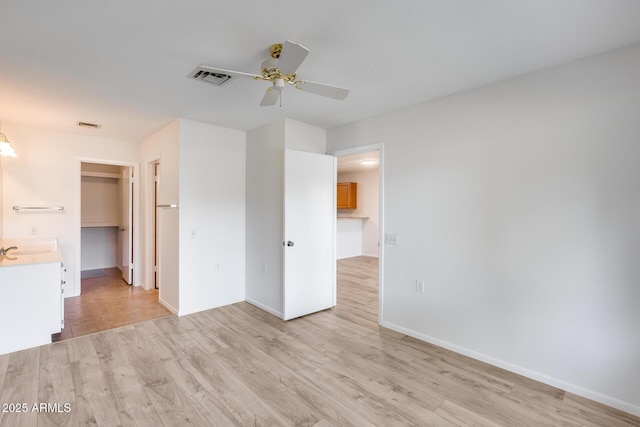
(30, 251)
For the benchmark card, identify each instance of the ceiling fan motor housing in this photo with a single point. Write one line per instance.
(270, 67)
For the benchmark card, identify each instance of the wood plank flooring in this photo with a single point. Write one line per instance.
(108, 302)
(238, 365)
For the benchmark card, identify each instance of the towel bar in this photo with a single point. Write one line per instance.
(39, 208)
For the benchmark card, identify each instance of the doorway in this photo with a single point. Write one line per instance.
(360, 226)
(161, 219)
(108, 302)
(106, 292)
(106, 225)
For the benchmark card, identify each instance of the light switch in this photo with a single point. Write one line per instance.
(391, 239)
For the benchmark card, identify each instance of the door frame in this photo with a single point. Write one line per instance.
(135, 280)
(379, 147)
(127, 174)
(150, 212)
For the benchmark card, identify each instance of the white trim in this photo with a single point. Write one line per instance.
(265, 308)
(78, 216)
(363, 149)
(371, 255)
(150, 206)
(168, 306)
(334, 273)
(571, 388)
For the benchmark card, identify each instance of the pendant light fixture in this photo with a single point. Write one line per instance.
(5, 147)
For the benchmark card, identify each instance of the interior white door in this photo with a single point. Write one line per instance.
(126, 221)
(309, 233)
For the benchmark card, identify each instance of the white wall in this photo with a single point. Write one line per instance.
(265, 172)
(368, 206)
(47, 172)
(202, 256)
(518, 204)
(99, 247)
(265, 201)
(212, 206)
(304, 137)
(99, 209)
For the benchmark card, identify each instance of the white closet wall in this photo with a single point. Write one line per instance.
(100, 207)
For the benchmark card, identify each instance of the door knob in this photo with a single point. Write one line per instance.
(289, 243)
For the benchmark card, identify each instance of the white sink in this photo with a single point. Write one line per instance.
(30, 251)
(37, 251)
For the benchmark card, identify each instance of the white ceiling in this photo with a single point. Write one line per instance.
(353, 163)
(123, 64)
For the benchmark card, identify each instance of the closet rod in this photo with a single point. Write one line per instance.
(38, 208)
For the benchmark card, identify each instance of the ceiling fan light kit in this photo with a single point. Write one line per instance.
(280, 69)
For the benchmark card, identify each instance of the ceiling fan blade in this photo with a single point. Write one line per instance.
(207, 69)
(291, 57)
(270, 97)
(338, 93)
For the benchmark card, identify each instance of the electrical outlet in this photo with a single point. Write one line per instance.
(218, 265)
(420, 286)
(34, 230)
(193, 234)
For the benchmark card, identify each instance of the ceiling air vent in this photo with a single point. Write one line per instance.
(210, 77)
(89, 125)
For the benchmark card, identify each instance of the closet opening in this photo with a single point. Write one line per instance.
(106, 220)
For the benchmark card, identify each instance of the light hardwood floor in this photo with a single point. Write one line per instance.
(108, 302)
(238, 365)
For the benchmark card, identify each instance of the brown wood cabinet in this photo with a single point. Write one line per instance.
(347, 195)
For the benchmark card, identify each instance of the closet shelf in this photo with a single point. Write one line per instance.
(100, 174)
(98, 224)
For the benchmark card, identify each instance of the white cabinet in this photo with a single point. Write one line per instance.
(30, 308)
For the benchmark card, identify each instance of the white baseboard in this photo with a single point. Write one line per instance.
(265, 308)
(554, 382)
(168, 306)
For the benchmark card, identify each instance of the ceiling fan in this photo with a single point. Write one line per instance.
(279, 70)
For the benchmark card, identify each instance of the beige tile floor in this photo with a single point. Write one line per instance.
(109, 302)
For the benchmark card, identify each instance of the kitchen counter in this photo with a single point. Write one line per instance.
(349, 236)
(30, 251)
